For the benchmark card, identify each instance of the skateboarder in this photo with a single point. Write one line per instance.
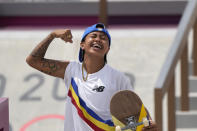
(91, 82)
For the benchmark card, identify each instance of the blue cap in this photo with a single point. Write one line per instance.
(93, 28)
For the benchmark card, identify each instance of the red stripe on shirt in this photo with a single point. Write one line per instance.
(92, 125)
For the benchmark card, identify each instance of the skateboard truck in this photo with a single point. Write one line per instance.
(132, 124)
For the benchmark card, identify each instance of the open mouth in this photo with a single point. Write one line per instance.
(97, 46)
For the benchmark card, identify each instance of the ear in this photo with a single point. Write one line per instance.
(82, 45)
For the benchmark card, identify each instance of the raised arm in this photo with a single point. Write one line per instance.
(51, 67)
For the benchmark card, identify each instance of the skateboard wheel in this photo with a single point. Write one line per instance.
(145, 122)
(118, 128)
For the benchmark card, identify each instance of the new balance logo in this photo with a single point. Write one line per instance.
(99, 89)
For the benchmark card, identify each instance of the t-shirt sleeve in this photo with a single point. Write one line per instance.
(68, 74)
(126, 83)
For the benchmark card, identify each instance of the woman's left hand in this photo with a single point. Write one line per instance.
(151, 127)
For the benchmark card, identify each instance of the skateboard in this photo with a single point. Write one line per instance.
(128, 112)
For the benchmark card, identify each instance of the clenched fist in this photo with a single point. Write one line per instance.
(64, 34)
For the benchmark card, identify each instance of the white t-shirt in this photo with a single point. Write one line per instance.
(88, 102)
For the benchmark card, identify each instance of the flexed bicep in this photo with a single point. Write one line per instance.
(51, 67)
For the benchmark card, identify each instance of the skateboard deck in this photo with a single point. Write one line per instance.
(128, 112)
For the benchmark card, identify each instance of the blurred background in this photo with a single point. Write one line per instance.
(149, 38)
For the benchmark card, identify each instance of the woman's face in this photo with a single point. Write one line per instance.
(96, 43)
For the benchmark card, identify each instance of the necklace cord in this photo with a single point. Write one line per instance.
(84, 77)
